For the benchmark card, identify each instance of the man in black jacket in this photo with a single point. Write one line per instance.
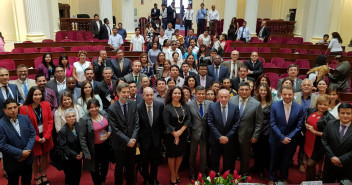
(155, 12)
(264, 32)
(105, 30)
(96, 26)
(255, 66)
(100, 63)
(107, 88)
(171, 14)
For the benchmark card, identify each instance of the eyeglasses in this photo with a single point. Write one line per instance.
(173, 44)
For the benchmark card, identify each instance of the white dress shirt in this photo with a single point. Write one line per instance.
(164, 13)
(3, 90)
(189, 15)
(246, 33)
(98, 24)
(61, 86)
(137, 43)
(168, 55)
(213, 15)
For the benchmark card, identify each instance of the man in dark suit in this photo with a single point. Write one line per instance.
(133, 92)
(89, 74)
(292, 71)
(7, 90)
(337, 143)
(59, 82)
(251, 122)
(151, 132)
(105, 31)
(264, 32)
(255, 66)
(184, 71)
(155, 12)
(341, 74)
(223, 122)
(96, 26)
(107, 88)
(171, 14)
(188, 38)
(203, 78)
(71, 86)
(121, 62)
(136, 74)
(242, 77)
(217, 71)
(199, 131)
(124, 123)
(17, 138)
(100, 63)
(286, 121)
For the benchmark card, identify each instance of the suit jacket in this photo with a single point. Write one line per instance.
(216, 126)
(150, 134)
(251, 121)
(69, 143)
(236, 82)
(340, 77)
(104, 32)
(208, 81)
(313, 99)
(95, 86)
(187, 38)
(138, 98)
(126, 69)
(222, 72)
(227, 64)
(334, 146)
(48, 121)
(50, 97)
(265, 34)
(98, 69)
(104, 92)
(189, 74)
(279, 127)
(18, 82)
(296, 88)
(156, 14)
(123, 129)
(129, 78)
(95, 27)
(170, 14)
(52, 84)
(257, 69)
(12, 144)
(16, 94)
(199, 124)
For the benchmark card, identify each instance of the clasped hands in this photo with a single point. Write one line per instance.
(336, 161)
(223, 139)
(286, 141)
(177, 135)
(131, 143)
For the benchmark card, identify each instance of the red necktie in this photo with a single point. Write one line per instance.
(185, 75)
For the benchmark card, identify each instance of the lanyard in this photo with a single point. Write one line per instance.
(39, 116)
(101, 122)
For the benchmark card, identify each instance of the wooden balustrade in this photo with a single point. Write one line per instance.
(68, 24)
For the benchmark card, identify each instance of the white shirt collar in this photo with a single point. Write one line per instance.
(347, 125)
(146, 105)
(289, 104)
(246, 100)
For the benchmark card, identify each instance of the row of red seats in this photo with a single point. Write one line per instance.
(58, 49)
(74, 36)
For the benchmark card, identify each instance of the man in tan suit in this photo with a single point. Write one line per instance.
(233, 65)
(23, 83)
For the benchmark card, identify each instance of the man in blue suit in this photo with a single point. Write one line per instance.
(223, 121)
(7, 90)
(17, 138)
(286, 120)
(217, 71)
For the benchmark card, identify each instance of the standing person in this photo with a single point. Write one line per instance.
(182, 13)
(87, 93)
(244, 34)
(251, 122)
(121, 65)
(170, 53)
(115, 40)
(174, 74)
(235, 24)
(23, 82)
(171, 14)
(189, 37)
(39, 113)
(201, 19)
(231, 32)
(286, 121)
(2, 43)
(17, 139)
(233, 65)
(96, 26)
(335, 45)
(136, 74)
(176, 117)
(124, 123)
(161, 90)
(153, 53)
(71, 86)
(205, 37)
(199, 132)
(223, 122)
(106, 88)
(121, 31)
(217, 71)
(292, 71)
(337, 143)
(105, 30)
(155, 12)
(137, 41)
(214, 18)
(164, 16)
(340, 78)
(71, 147)
(80, 66)
(58, 83)
(149, 32)
(47, 67)
(264, 32)
(188, 18)
(93, 135)
(169, 31)
(63, 60)
(150, 113)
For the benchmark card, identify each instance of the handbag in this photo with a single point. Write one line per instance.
(58, 158)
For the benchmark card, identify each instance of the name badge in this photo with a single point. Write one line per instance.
(103, 135)
(108, 97)
(312, 183)
(40, 129)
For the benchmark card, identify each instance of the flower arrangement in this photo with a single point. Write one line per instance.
(225, 179)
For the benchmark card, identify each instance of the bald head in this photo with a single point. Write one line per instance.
(224, 96)
(263, 23)
(307, 87)
(234, 55)
(148, 95)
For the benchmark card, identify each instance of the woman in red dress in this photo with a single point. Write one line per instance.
(39, 112)
(316, 121)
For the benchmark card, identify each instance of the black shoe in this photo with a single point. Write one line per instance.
(173, 183)
(154, 182)
(146, 182)
(178, 180)
(261, 175)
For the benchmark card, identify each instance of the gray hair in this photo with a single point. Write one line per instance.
(120, 86)
(70, 110)
(108, 68)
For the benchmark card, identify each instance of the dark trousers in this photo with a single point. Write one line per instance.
(25, 172)
(188, 25)
(262, 153)
(228, 156)
(281, 156)
(213, 27)
(101, 163)
(202, 142)
(150, 158)
(200, 26)
(72, 170)
(164, 21)
(332, 173)
(245, 152)
(125, 158)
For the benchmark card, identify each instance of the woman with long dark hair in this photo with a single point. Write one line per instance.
(47, 67)
(335, 45)
(63, 60)
(87, 93)
(192, 63)
(39, 113)
(192, 83)
(334, 101)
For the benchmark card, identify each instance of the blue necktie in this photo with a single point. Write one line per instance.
(242, 32)
(25, 89)
(342, 131)
(223, 114)
(241, 108)
(201, 110)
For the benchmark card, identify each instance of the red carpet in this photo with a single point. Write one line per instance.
(58, 178)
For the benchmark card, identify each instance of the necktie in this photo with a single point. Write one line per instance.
(185, 75)
(121, 65)
(223, 114)
(261, 32)
(150, 115)
(201, 110)
(287, 112)
(216, 73)
(25, 89)
(7, 92)
(342, 131)
(136, 79)
(243, 80)
(242, 32)
(202, 82)
(241, 108)
(125, 110)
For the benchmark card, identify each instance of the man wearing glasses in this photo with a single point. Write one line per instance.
(23, 82)
(169, 52)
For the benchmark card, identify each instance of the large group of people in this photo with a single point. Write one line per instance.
(179, 95)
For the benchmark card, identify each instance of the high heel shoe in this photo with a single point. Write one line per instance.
(38, 181)
(178, 180)
(173, 183)
(45, 182)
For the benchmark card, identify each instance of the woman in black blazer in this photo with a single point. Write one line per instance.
(93, 135)
(71, 147)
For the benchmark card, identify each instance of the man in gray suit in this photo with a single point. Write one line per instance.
(199, 133)
(292, 71)
(340, 77)
(136, 74)
(251, 121)
(233, 65)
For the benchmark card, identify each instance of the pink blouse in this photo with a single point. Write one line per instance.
(69, 71)
(100, 132)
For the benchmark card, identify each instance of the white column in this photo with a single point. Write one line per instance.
(34, 20)
(230, 12)
(128, 15)
(251, 15)
(106, 10)
(322, 18)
